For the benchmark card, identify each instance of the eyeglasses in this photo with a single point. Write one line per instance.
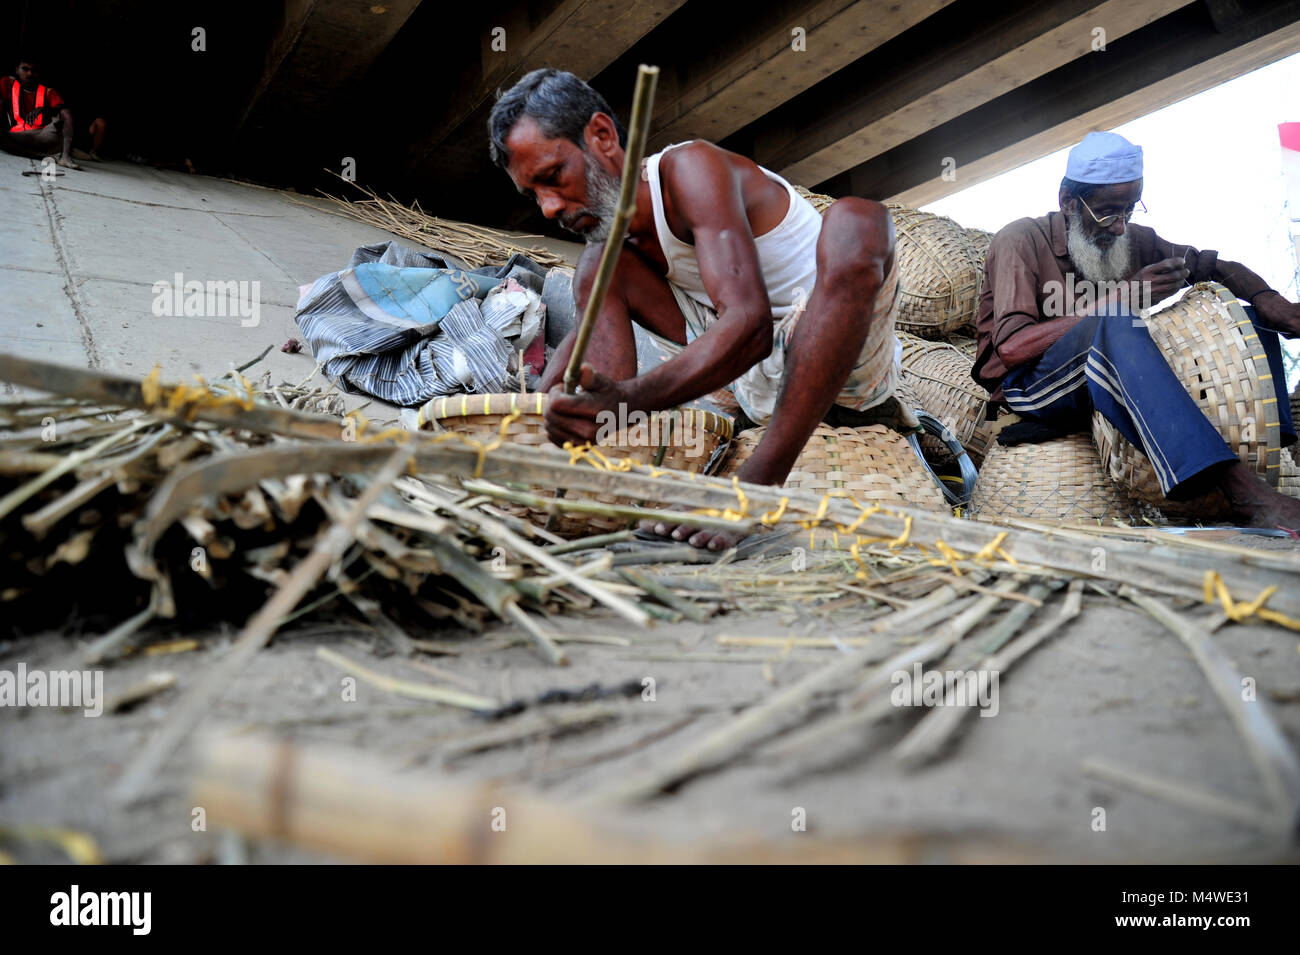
(1107, 221)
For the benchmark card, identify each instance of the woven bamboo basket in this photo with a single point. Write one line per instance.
(979, 241)
(875, 464)
(820, 202)
(682, 440)
(1211, 345)
(1289, 480)
(937, 376)
(1058, 481)
(939, 274)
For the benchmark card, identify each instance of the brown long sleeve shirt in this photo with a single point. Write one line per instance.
(1028, 263)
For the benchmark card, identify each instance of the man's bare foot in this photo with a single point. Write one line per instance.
(706, 539)
(710, 539)
(1254, 503)
(1271, 510)
(66, 162)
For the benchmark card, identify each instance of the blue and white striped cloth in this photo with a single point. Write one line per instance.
(404, 327)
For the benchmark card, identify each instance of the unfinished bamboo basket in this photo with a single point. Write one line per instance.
(939, 274)
(937, 376)
(684, 439)
(1058, 481)
(1209, 342)
(875, 464)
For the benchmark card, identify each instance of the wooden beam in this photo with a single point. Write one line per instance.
(761, 69)
(319, 49)
(288, 27)
(581, 36)
(876, 106)
(1236, 61)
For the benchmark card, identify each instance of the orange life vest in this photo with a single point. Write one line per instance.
(22, 124)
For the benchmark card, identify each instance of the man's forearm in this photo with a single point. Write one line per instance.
(1031, 341)
(553, 373)
(718, 357)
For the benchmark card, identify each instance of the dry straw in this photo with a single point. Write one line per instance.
(1212, 347)
(476, 246)
(1058, 481)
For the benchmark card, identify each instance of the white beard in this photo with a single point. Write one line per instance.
(602, 200)
(1094, 262)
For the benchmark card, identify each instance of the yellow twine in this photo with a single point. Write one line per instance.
(1213, 587)
(188, 399)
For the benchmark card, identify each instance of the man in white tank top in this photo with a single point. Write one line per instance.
(724, 262)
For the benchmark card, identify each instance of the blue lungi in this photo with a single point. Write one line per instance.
(1110, 364)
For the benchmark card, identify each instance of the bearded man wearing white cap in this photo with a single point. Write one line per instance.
(1057, 337)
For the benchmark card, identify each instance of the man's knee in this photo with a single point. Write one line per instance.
(856, 244)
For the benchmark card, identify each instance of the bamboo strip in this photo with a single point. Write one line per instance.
(1187, 796)
(419, 691)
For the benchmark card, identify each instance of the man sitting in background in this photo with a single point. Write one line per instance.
(1045, 350)
(36, 120)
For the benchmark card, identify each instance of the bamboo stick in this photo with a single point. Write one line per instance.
(354, 804)
(746, 729)
(1187, 796)
(638, 131)
(409, 688)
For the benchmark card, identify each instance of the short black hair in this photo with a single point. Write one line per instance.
(560, 103)
(29, 60)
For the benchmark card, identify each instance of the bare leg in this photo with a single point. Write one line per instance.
(97, 130)
(36, 143)
(68, 129)
(636, 293)
(854, 253)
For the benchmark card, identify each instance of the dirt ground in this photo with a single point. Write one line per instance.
(1111, 684)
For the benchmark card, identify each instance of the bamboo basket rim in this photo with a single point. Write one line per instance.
(534, 404)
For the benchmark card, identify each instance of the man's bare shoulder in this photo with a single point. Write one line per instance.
(696, 161)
